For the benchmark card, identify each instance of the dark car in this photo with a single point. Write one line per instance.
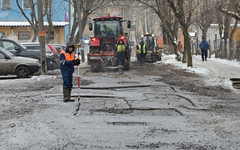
(18, 49)
(21, 50)
(52, 59)
(15, 65)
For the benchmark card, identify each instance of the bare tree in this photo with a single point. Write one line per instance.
(80, 15)
(33, 21)
(230, 10)
(48, 13)
(226, 8)
(183, 10)
(169, 22)
(204, 17)
(42, 38)
(234, 11)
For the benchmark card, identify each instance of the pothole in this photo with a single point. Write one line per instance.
(142, 111)
(127, 123)
(235, 82)
(128, 82)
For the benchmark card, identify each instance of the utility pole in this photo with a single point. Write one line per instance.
(41, 34)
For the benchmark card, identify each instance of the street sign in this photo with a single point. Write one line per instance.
(82, 44)
(78, 46)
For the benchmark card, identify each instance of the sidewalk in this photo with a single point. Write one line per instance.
(215, 71)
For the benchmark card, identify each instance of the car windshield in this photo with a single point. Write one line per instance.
(105, 28)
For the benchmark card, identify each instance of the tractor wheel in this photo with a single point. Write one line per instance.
(126, 66)
(95, 66)
(156, 57)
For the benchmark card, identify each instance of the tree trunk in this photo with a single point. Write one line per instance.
(75, 21)
(83, 24)
(231, 39)
(79, 6)
(48, 5)
(35, 33)
(226, 33)
(33, 22)
(204, 32)
(187, 46)
(42, 38)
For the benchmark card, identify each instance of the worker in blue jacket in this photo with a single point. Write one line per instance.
(67, 62)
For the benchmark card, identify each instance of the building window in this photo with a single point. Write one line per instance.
(6, 4)
(51, 35)
(2, 34)
(23, 35)
(26, 4)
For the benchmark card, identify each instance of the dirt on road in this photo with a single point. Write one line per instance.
(151, 106)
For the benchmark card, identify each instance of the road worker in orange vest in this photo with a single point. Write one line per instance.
(67, 62)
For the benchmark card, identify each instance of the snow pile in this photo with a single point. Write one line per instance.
(42, 77)
(195, 69)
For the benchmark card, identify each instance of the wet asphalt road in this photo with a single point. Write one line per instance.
(148, 107)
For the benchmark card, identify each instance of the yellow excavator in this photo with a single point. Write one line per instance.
(153, 54)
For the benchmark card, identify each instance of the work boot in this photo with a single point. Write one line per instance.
(65, 94)
(120, 70)
(69, 95)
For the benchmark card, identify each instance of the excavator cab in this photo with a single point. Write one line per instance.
(152, 54)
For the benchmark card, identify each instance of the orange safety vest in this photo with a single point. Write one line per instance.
(68, 56)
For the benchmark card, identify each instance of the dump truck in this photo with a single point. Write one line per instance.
(108, 30)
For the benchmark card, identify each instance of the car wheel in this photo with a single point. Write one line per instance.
(22, 72)
(156, 57)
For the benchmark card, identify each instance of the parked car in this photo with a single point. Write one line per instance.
(21, 50)
(56, 48)
(23, 67)
(52, 59)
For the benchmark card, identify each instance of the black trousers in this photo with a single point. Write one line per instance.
(204, 55)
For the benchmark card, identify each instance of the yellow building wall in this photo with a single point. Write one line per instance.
(12, 33)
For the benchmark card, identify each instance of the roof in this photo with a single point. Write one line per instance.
(107, 17)
(24, 23)
(216, 25)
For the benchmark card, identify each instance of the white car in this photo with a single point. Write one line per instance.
(23, 67)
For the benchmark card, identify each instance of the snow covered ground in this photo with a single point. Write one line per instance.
(217, 71)
(156, 116)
